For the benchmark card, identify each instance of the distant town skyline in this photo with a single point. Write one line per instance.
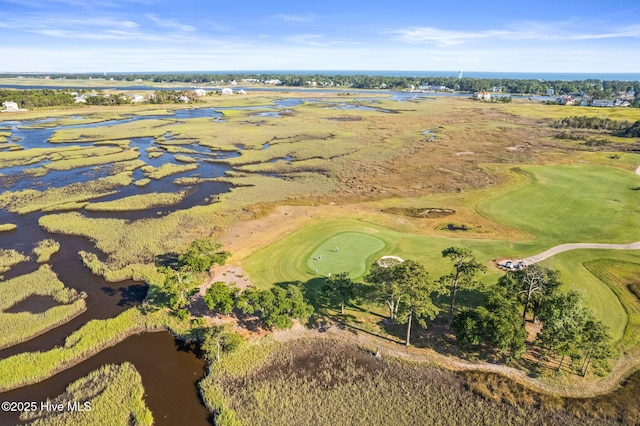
(149, 35)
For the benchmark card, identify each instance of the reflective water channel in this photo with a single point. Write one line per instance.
(170, 369)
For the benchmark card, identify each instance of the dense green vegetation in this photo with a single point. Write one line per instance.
(29, 99)
(593, 87)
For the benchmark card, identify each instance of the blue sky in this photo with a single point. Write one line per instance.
(187, 35)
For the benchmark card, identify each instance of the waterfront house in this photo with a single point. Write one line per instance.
(621, 102)
(10, 106)
(566, 100)
(482, 96)
(200, 92)
(602, 103)
(227, 91)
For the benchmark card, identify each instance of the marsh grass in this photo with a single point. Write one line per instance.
(138, 202)
(30, 200)
(185, 159)
(617, 407)
(140, 241)
(65, 207)
(143, 272)
(326, 382)
(45, 249)
(10, 258)
(130, 130)
(20, 326)
(167, 169)
(33, 156)
(142, 182)
(4, 227)
(97, 160)
(115, 396)
(31, 367)
(42, 282)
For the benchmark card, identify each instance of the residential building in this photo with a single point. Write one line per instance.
(10, 106)
(602, 103)
(482, 96)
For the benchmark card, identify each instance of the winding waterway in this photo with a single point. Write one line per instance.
(170, 369)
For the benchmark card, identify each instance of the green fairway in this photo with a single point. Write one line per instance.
(345, 252)
(565, 204)
(598, 295)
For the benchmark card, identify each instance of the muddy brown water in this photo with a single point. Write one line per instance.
(169, 368)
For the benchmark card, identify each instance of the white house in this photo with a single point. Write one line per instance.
(241, 92)
(482, 96)
(566, 100)
(137, 98)
(621, 102)
(10, 106)
(227, 91)
(200, 92)
(602, 103)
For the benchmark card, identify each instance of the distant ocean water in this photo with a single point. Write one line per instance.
(470, 74)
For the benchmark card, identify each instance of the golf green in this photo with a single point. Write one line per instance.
(344, 252)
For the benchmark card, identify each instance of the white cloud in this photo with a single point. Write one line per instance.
(444, 37)
(315, 40)
(555, 31)
(172, 24)
(294, 18)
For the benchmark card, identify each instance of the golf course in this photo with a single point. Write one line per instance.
(295, 195)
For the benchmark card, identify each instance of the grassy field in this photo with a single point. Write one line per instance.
(572, 204)
(560, 204)
(350, 252)
(623, 277)
(113, 395)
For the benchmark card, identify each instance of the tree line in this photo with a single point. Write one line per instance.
(40, 98)
(592, 87)
(29, 99)
(496, 324)
(617, 127)
(568, 329)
